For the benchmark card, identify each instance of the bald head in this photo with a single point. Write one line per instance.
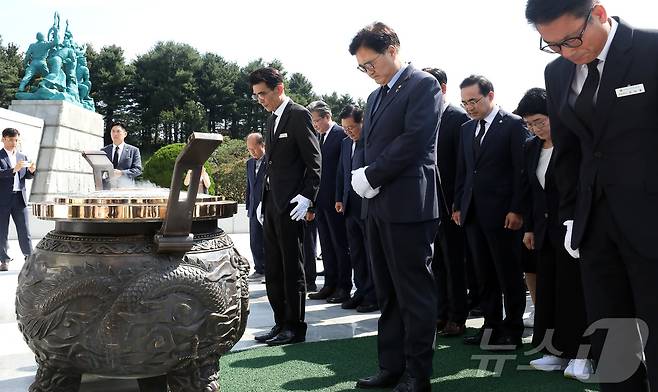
(256, 145)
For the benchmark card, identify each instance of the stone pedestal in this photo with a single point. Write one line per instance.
(68, 130)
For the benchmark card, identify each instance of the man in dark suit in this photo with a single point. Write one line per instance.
(15, 168)
(348, 203)
(448, 263)
(489, 201)
(331, 224)
(256, 167)
(125, 158)
(399, 181)
(290, 188)
(602, 94)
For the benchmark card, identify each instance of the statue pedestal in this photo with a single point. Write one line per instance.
(68, 130)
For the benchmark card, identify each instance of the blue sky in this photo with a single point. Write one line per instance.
(461, 36)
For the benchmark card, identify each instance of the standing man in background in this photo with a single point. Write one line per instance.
(15, 168)
(331, 224)
(602, 94)
(489, 201)
(290, 187)
(449, 260)
(125, 158)
(256, 167)
(399, 181)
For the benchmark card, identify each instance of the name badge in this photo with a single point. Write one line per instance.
(283, 135)
(630, 90)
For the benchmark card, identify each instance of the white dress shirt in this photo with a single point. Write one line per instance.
(542, 165)
(114, 148)
(488, 121)
(581, 70)
(12, 161)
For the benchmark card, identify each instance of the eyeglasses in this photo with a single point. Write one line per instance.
(571, 42)
(536, 124)
(471, 102)
(350, 128)
(368, 66)
(261, 94)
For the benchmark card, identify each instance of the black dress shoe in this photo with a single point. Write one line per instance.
(269, 335)
(383, 379)
(452, 329)
(339, 297)
(324, 293)
(367, 308)
(474, 340)
(311, 287)
(286, 336)
(411, 384)
(352, 303)
(503, 343)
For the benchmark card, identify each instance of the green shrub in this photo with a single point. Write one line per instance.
(229, 169)
(160, 167)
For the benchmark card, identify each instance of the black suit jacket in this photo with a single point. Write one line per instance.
(130, 161)
(254, 188)
(494, 182)
(7, 177)
(543, 205)
(293, 157)
(452, 119)
(330, 150)
(344, 191)
(619, 155)
(400, 142)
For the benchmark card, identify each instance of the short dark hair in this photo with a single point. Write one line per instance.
(545, 11)
(271, 76)
(353, 112)
(10, 132)
(483, 83)
(438, 73)
(119, 124)
(376, 36)
(533, 102)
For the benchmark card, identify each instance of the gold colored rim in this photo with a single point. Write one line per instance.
(123, 212)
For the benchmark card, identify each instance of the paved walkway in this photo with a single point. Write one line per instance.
(326, 321)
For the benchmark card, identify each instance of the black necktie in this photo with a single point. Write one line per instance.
(115, 158)
(584, 106)
(477, 143)
(322, 135)
(272, 125)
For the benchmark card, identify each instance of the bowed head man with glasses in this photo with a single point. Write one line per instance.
(399, 184)
(602, 97)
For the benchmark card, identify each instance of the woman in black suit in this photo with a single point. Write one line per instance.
(560, 318)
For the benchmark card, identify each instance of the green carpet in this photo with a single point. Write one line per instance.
(336, 365)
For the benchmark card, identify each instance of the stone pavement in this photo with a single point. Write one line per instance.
(326, 321)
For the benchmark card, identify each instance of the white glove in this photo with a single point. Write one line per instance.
(259, 214)
(299, 212)
(567, 240)
(361, 185)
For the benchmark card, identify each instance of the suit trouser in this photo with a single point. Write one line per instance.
(401, 255)
(499, 273)
(449, 272)
(310, 250)
(17, 209)
(335, 254)
(560, 305)
(257, 245)
(356, 238)
(619, 284)
(284, 269)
